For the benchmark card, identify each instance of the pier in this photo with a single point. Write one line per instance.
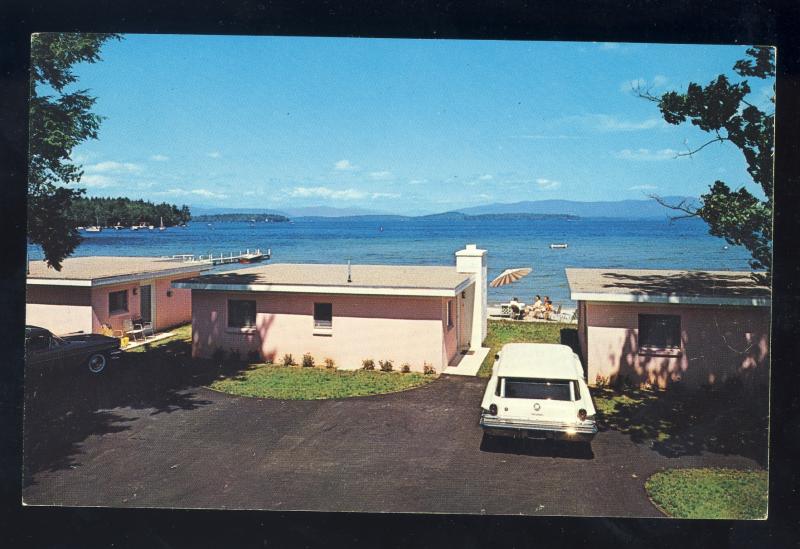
(243, 256)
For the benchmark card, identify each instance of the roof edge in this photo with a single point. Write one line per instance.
(672, 299)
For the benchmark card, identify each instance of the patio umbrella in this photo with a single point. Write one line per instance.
(508, 276)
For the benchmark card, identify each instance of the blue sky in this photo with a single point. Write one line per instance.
(405, 126)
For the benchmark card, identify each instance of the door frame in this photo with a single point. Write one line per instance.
(153, 312)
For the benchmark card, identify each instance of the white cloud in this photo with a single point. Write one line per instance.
(159, 158)
(325, 192)
(380, 176)
(417, 181)
(344, 165)
(642, 188)
(607, 123)
(214, 154)
(544, 136)
(385, 195)
(111, 166)
(486, 177)
(205, 193)
(547, 184)
(97, 181)
(646, 154)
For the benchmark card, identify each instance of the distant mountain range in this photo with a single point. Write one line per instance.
(631, 209)
(647, 208)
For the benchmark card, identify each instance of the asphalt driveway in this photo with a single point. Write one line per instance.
(119, 442)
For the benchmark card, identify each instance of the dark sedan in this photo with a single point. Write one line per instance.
(43, 350)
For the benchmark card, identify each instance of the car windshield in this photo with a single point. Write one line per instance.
(539, 389)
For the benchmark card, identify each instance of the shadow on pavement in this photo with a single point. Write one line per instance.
(538, 448)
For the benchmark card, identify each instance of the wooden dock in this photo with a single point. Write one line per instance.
(243, 256)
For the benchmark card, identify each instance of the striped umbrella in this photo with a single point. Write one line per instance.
(508, 276)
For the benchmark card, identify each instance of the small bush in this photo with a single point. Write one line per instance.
(308, 360)
(234, 357)
(330, 364)
(428, 369)
(386, 365)
(218, 356)
(253, 356)
(601, 382)
(367, 364)
(288, 360)
(405, 368)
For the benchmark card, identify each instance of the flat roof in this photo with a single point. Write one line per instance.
(105, 270)
(537, 360)
(327, 278)
(668, 286)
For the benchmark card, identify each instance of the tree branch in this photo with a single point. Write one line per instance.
(718, 139)
(682, 206)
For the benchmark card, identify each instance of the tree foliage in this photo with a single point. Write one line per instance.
(110, 211)
(721, 108)
(60, 119)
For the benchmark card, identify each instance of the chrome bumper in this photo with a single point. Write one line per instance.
(495, 426)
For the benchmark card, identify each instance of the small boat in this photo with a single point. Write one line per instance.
(558, 246)
(94, 229)
(118, 227)
(81, 228)
(161, 227)
(151, 227)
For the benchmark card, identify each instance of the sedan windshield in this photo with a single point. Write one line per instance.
(539, 389)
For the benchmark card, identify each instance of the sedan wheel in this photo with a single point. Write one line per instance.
(97, 362)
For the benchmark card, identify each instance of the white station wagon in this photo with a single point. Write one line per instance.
(537, 390)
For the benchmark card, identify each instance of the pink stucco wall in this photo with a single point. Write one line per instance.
(717, 343)
(60, 309)
(402, 329)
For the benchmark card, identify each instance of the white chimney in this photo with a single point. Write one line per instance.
(473, 261)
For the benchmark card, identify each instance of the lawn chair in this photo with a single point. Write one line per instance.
(505, 310)
(145, 327)
(131, 330)
(516, 312)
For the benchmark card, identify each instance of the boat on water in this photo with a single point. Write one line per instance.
(118, 227)
(94, 229)
(161, 227)
(558, 246)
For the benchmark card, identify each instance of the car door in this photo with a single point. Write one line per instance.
(39, 354)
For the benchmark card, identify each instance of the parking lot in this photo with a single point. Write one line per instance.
(138, 439)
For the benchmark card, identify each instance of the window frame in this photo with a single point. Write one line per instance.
(243, 327)
(322, 324)
(449, 322)
(119, 311)
(645, 332)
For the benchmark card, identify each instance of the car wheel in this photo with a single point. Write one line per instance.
(97, 362)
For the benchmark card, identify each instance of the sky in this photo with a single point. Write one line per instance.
(396, 125)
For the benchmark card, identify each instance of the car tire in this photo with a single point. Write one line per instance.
(97, 363)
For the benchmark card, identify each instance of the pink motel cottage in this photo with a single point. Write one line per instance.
(91, 291)
(663, 326)
(407, 314)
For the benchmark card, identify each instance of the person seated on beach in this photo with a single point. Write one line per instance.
(515, 308)
(548, 308)
(532, 310)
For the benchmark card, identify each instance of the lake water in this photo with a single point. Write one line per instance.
(604, 243)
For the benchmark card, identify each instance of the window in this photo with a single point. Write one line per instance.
(323, 315)
(450, 314)
(660, 331)
(539, 389)
(118, 302)
(37, 342)
(241, 313)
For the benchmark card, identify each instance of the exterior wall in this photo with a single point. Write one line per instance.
(472, 260)
(60, 309)
(402, 329)
(450, 332)
(717, 343)
(167, 310)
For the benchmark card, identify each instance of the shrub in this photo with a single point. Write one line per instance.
(405, 368)
(428, 369)
(601, 382)
(308, 360)
(330, 364)
(367, 364)
(218, 356)
(386, 365)
(288, 360)
(253, 355)
(234, 357)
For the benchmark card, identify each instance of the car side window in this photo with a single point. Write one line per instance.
(577, 388)
(38, 342)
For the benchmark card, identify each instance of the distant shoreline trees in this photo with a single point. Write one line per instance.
(272, 218)
(111, 211)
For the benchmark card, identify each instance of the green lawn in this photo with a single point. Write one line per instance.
(298, 383)
(710, 493)
(501, 332)
(181, 334)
